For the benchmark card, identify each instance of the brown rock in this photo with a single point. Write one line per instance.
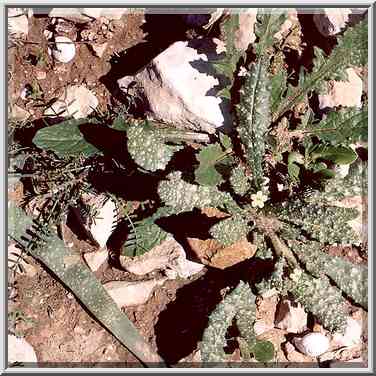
(210, 252)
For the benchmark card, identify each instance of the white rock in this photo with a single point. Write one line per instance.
(245, 35)
(87, 14)
(290, 318)
(15, 255)
(19, 26)
(77, 101)
(176, 86)
(342, 170)
(63, 50)
(103, 223)
(313, 344)
(99, 49)
(292, 17)
(343, 93)
(18, 113)
(169, 256)
(127, 294)
(15, 12)
(331, 21)
(94, 260)
(351, 336)
(20, 351)
(261, 327)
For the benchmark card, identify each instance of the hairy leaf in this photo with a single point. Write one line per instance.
(327, 224)
(350, 278)
(254, 118)
(239, 181)
(239, 304)
(230, 230)
(183, 196)
(147, 148)
(320, 298)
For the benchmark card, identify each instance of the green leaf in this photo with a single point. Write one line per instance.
(336, 154)
(344, 126)
(263, 351)
(295, 157)
(254, 118)
(18, 221)
(225, 141)
(69, 267)
(206, 173)
(65, 139)
(147, 148)
(351, 50)
(119, 124)
(293, 170)
(230, 230)
(144, 236)
(278, 87)
(181, 196)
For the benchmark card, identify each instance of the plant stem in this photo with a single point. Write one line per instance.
(282, 250)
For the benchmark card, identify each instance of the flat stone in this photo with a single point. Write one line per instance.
(331, 21)
(291, 318)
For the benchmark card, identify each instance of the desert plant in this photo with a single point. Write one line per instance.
(239, 174)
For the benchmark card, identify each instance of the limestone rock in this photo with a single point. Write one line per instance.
(169, 257)
(127, 294)
(343, 93)
(312, 344)
(94, 260)
(87, 14)
(99, 49)
(77, 101)
(19, 26)
(63, 50)
(245, 35)
(104, 222)
(20, 351)
(177, 87)
(331, 21)
(351, 336)
(291, 318)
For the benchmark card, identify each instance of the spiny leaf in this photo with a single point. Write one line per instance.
(206, 173)
(350, 278)
(227, 62)
(239, 304)
(182, 196)
(230, 230)
(327, 224)
(351, 50)
(344, 126)
(320, 298)
(65, 139)
(269, 22)
(254, 118)
(239, 181)
(147, 148)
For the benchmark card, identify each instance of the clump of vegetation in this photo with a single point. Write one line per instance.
(240, 174)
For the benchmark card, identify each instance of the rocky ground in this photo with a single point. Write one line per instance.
(113, 55)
